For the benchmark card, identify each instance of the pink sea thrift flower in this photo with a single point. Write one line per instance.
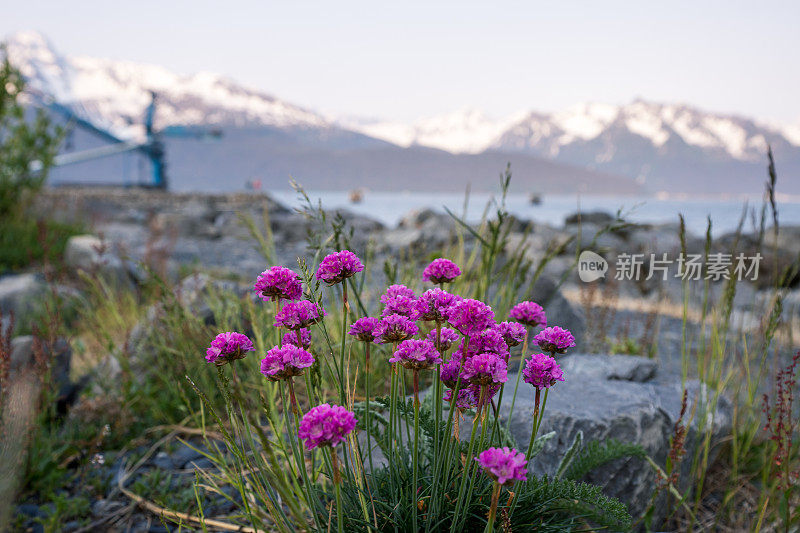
(363, 329)
(339, 266)
(303, 342)
(227, 347)
(395, 328)
(469, 396)
(528, 313)
(554, 340)
(504, 465)
(279, 283)
(416, 355)
(434, 304)
(297, 315)
(326, 425)
(470, 316)
(401, 305)
(487, 341)
(448, 372)
(447, 337)
(285, 362)
(465, 399)
(396, 290)
(485, 369)
(542, 371)
(441, 271)
(512, 333)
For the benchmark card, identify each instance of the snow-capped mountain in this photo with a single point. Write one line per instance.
(667, 147)
(468, 131)
(115, 93)
(661, 145)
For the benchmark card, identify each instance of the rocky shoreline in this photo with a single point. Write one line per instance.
(633, 399)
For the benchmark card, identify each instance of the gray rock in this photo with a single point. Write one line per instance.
(204, 463)
(592, 237)
(183, 455)
(91, 254)
(560, 311)
(593, 217)
(163, 461)
(59, 358)
(21, 353)
(625, 409)
(19, 292)
(609, 367)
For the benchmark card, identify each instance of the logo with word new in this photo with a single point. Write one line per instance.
(591, 266)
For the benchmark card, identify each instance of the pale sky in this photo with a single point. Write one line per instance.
(407, 59)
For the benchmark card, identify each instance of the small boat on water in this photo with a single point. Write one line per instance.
(535, 198)
(356, 196)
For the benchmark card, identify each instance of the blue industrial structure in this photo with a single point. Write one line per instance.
(152, 147)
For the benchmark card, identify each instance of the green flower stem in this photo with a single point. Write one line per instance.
(368, 422)
(482, 443)
(416, 451)
(392, 409)
(538, 415)
(446, 457)
(468, 466)
(519, 375)
(493, 508)
(437, 413)
(535, 428)
(337, 487)
(342, 377)
(296, 446)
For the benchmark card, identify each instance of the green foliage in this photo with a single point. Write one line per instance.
(595, 454)
(25, 240)
(27, 148)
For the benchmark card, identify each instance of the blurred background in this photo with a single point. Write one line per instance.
(617, 104)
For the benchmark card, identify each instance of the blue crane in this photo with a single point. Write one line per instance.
(152, 147)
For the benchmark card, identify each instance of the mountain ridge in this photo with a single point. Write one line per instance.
(661, 147)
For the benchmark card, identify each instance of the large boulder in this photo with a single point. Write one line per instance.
(26, 355)
(592, 217)
(611, 397)
(19, 292)
(560, 311)
(91, 254)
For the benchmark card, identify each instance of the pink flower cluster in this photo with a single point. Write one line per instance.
(279, 283)
(227, 347)
(416, 355)
(512, 333)
(470, 316)
(285, 362)
(395, 328)
(528, 313)
(441, 271)
(554, 340)
(485, 369)
(401, 304)
(447, 337)
(363, 329)
(487, 341)
(297, 315)
(303, 342)
(396, 290)
(504, 465)
(434, 304)
(339, 266)
(542, 371)
(326, 425)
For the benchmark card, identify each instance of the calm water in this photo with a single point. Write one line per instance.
(389, 208)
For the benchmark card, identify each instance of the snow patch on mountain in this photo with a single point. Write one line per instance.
(116, 93)
(464, 131)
